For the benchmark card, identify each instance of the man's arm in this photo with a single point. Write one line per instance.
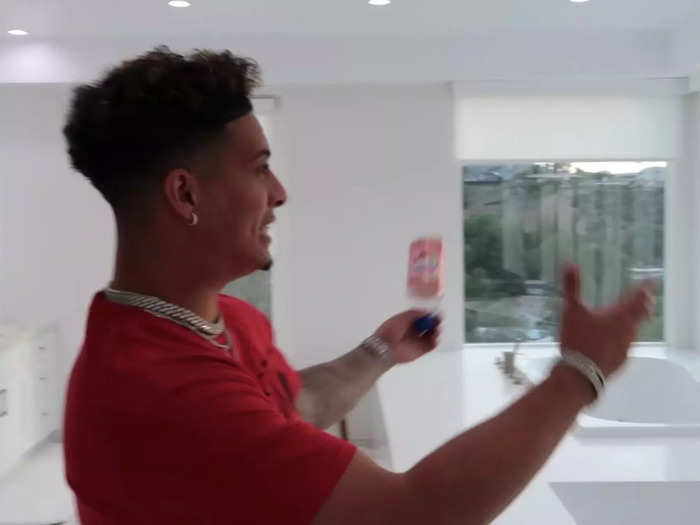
(330, 390)
(471, 479)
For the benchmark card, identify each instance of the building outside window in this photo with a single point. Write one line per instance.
(523, 221)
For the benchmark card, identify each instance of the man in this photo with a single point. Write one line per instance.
(180, 408)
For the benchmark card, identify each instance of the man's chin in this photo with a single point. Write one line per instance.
(267, 266)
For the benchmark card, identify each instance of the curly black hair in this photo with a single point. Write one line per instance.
(144, 115)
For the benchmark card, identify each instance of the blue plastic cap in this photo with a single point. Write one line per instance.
(425, 324)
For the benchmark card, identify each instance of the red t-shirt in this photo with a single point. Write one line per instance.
(162, 427)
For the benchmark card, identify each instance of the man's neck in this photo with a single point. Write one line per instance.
(165, 277)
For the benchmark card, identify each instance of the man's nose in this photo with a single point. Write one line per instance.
(278, 195)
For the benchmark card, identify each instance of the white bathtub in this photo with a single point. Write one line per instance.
(652, 395)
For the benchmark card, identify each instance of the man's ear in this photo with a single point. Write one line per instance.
(181, 190)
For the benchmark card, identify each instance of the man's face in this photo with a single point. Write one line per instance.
(239, 201)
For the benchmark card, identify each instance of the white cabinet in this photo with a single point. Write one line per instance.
(12, 422)
(28, 372)
(44, 362)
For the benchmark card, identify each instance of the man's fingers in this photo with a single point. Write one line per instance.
(649, 303)
(639, 303)
(431, 339)
(405, 320)
(572, 283)
(653, 286)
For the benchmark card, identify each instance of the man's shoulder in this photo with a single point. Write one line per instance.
(246, 320)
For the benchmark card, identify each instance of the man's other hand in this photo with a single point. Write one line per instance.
(405, 343)
(605, 334)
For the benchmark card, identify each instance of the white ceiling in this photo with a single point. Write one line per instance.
(154, 18)
(348, 41)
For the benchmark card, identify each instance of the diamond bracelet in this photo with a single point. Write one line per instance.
(585, 366)
(379, 348)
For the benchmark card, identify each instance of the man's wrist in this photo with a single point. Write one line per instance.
(379, 349)
(573, 383)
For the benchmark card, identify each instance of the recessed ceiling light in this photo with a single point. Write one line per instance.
(379, 2)
(178, 3)
(18, 32)
(579, 1)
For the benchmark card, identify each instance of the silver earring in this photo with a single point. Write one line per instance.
(194, 220)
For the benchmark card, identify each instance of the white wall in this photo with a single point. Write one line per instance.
(369, 169)
(682, 220)
(684, 47)
(56, 234)
(341, 59)
(692, 156)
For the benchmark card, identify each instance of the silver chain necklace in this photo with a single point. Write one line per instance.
(174, 313)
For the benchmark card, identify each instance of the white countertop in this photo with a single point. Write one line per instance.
(452, 391)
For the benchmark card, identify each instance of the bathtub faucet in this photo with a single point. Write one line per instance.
(509, 360)
(507, 364)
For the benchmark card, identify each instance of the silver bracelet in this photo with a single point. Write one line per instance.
(585, 366)
(378, 348)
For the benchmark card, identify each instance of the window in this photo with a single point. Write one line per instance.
(523, 221)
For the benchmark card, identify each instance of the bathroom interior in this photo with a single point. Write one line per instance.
(525, 134)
